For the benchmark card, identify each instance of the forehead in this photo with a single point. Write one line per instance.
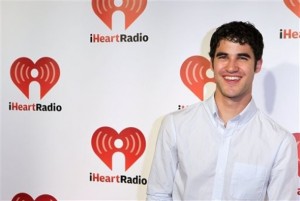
(230, 47)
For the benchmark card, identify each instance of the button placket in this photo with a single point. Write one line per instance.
(226, 135)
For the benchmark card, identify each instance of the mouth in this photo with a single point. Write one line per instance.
(232, 78)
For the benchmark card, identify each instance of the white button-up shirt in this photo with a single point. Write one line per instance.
(198, 158)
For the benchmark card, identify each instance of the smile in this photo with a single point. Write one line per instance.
(232, 78)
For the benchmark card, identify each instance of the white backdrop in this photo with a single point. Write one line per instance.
(117, 85)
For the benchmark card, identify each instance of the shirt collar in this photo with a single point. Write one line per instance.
(242, 118)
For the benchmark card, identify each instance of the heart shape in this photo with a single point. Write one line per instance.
(131, 9)
(104, 144)
(47, 74)
(26, 197)
(294, 6)
(193, 73)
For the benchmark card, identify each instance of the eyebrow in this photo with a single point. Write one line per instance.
(244, 55)
(239, 54)
(221, 54)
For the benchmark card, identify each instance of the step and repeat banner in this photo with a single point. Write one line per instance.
(86, 83)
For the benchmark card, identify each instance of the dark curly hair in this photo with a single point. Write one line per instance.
(238, 32)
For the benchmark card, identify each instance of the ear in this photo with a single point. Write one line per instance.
(258, 65)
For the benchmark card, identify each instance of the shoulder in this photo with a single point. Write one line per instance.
(271, 128)
(187, 116)
(187, 112)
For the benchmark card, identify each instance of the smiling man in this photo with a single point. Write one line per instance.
(225, 148)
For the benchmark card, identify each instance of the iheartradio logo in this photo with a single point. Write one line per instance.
(130, 141)
(194, 74)
(132, 9)
(294, 6)
(26, 197)
(45, 71)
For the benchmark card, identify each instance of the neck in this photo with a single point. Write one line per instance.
(228, 107)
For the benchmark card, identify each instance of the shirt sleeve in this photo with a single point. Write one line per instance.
(283, 183)
(164, 164)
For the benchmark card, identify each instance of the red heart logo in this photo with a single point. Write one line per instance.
(131, 9)
(47, 74)
(26, 197)
(294, 6)
(193, 73)
(132, 140)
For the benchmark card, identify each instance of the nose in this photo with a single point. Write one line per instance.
(232, 66)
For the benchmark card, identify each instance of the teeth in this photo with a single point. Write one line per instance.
(231, 78)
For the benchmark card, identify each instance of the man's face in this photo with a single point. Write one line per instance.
(233, 67)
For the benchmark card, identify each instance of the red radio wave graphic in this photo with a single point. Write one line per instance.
(294, 6)
(26, 197)
(47, 77)
(193, 73)
(103, 144)
(132, 9)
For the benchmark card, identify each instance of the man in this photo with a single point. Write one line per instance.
(224, 148)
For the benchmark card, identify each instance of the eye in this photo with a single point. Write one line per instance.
(243, 58)
(221, 56)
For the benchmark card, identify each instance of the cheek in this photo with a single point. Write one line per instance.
(215, 67)
(220, 64)
(249, 70)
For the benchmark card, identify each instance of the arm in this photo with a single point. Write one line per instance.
(283, 182)
(164, 165)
